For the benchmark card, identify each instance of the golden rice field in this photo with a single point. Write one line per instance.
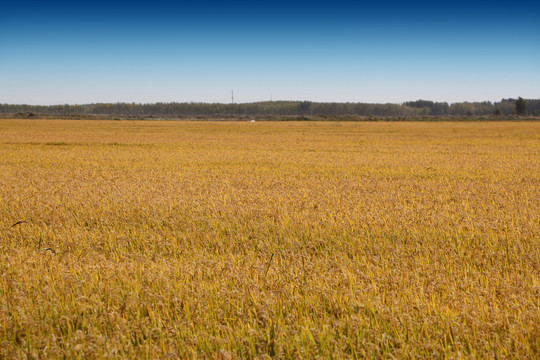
(229, 240)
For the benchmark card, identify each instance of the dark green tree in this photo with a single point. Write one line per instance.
(305, 107)
(521, 106)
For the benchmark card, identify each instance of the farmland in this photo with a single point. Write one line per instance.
(166, 239)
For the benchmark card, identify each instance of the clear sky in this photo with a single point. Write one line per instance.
(198, 51)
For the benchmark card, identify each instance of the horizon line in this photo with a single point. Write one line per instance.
(270, 101)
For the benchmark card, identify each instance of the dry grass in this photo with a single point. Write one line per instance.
(293, 240)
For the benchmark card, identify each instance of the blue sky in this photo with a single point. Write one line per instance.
(163, 51)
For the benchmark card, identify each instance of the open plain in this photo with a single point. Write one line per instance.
(170, 239)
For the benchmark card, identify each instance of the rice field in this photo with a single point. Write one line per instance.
(229, 240)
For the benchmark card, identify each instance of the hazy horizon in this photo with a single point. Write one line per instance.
(389, 52)
(265, 101)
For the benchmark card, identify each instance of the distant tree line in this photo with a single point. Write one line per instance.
(288, 108)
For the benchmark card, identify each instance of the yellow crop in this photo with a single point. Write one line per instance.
(284, 239)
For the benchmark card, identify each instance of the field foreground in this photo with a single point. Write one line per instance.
(294, 240)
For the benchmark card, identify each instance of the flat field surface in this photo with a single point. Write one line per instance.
(290, 240)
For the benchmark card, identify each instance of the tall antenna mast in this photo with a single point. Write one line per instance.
(232, 97)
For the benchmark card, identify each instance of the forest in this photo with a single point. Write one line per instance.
(424, 108)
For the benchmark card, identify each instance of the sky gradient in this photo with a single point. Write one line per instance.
(165, 51)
